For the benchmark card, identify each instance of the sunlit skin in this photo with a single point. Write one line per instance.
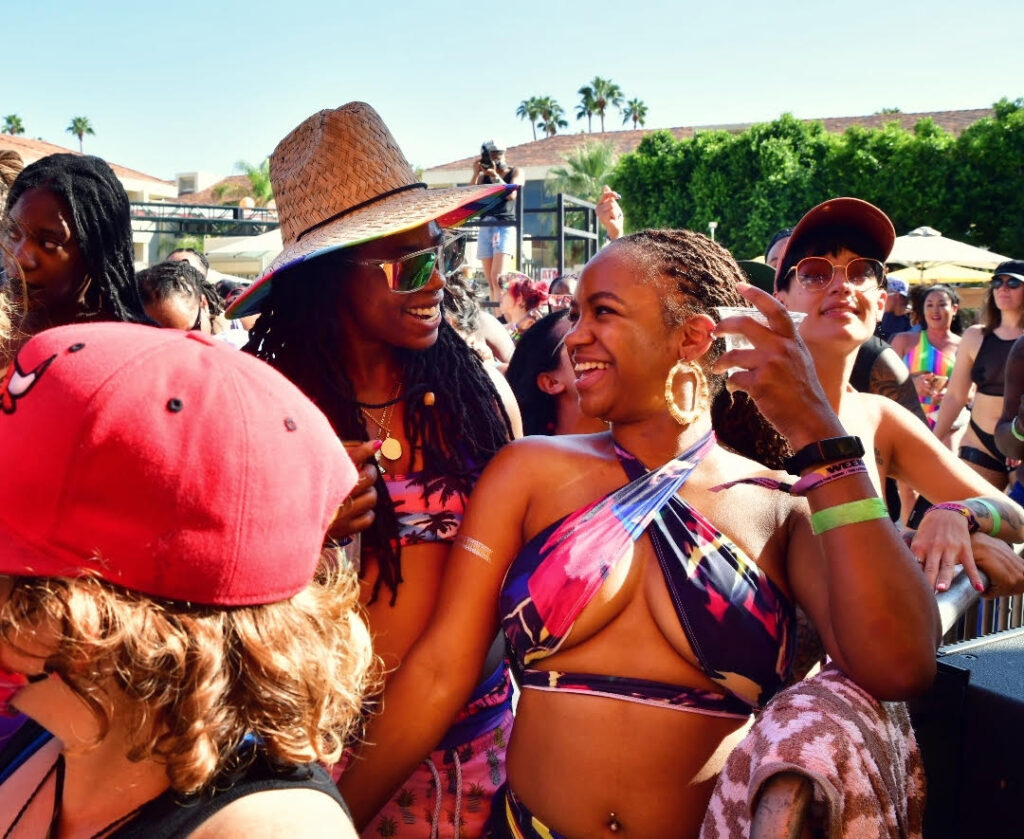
(939, 311)
(42, 243)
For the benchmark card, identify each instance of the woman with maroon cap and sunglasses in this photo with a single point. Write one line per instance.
(833, 270)
(351, 312)
(185, 650)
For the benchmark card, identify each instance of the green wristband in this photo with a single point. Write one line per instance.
(866, 509)
(1013, 430)
(997, 522)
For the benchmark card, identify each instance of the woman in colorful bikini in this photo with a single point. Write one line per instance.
(351, 312)
(931, 353)
(588, 549)
(981, 360)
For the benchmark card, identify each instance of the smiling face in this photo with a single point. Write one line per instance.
(939, 310)
(41, 240)
(843, 313)
(619, 344)
(375, 313)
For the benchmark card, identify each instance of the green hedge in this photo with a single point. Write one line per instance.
(763, 179)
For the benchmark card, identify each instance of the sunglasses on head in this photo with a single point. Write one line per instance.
(414, 270)
(815, 273)
(1008, 280)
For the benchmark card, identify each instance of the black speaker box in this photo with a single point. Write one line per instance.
(970, 727)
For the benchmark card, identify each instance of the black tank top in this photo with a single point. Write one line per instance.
(989, 366)
(170, 816)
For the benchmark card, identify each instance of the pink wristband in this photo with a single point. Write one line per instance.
(962, 509)
(826, 474)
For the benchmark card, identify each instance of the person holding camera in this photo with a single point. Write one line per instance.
(496, 234)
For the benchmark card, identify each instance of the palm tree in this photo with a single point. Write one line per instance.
(259, 180)
(586, 106)
(587, 169)
(551, 116)
(80, 127)
(635, 110)
(605, 93)
(528, 109)
(13, 125)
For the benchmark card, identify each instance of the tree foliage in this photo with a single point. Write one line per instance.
(259, 181)
(636, 111)
(586, 170)
(530, 109)
(13, 125)
(80, 126)
(604, 93)
(551, 115)
(763, 179)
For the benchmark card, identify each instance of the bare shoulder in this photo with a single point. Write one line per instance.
(904, 342)
(296, 813)
(971, 340)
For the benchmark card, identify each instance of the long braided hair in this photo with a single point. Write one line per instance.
(695, 275)
(455, 437)
(101, 221)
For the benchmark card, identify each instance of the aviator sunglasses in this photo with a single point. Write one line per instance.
(1011, 281)
(414, 270)
(815, 273)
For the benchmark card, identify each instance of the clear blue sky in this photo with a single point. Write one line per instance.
(200, 85)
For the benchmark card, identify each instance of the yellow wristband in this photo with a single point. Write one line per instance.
(865, 509)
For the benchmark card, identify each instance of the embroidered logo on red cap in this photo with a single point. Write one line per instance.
(17, 382)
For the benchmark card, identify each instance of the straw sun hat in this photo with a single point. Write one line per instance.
(340, 179)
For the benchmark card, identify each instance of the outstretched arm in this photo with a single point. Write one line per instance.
(438, 675)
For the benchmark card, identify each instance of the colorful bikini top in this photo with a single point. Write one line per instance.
(427, 509)
(926, 358)
(739, 624)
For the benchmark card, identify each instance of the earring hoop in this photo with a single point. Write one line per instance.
(700, 397)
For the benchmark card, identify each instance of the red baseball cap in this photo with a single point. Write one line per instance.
(116, 463)
(841, 214)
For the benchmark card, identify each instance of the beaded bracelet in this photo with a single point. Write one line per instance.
(826, 474)
(853, 512)
(1013, 430)
(963, 509)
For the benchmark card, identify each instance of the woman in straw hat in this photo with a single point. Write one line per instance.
(351, 312)
(187, 653)
(648, 614)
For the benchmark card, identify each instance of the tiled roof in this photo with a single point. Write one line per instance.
(32, 150)
(552, 150)
(230, 188)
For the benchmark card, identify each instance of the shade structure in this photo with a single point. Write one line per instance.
(943, 272)
(250, 247)
(925, 247)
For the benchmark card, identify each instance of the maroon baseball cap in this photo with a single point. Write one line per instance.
(164, 462)
(841, 215)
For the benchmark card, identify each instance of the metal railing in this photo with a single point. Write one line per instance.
(201, 219)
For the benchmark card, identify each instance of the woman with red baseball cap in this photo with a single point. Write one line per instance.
(186, 652)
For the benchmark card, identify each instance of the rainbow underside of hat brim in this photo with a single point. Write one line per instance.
(471, 203)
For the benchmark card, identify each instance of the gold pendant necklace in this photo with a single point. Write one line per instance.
(390, 448)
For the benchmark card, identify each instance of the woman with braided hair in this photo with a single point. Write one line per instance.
(68, 230)
(351, 312)
(647, 602)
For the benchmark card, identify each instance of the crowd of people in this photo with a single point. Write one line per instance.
(316, 623)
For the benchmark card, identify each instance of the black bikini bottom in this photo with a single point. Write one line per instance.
(992, 459)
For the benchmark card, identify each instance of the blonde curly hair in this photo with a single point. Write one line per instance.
(195, 681)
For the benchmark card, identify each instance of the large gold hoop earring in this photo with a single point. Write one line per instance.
(700, 392)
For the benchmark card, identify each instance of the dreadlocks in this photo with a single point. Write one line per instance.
(173, 279)
(696, 275)
(101, 222)
(455, 437)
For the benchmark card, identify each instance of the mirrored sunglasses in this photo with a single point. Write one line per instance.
(414, 270)
(1008, 280)
(815, 273)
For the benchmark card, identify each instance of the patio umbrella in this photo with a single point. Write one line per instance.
(943, 272)
(925, 247)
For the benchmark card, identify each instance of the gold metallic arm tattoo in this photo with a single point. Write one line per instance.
(475, 547)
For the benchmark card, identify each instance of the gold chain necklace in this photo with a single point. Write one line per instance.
(390, 448)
